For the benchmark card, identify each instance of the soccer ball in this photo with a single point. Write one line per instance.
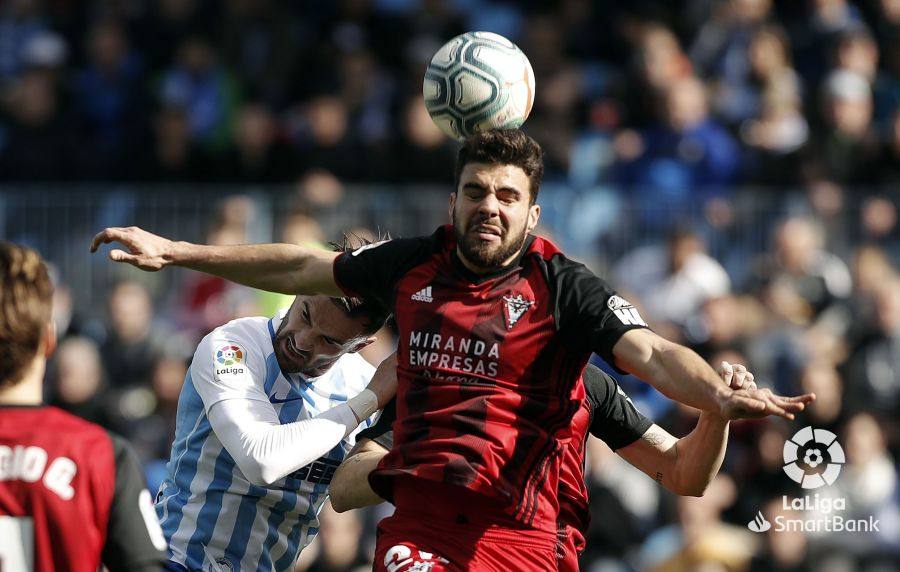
(478, 81)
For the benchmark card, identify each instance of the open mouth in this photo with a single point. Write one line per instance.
(487, 232)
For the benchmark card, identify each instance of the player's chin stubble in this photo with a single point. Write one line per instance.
(483, 254)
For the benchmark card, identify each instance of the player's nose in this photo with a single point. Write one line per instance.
(489, 205)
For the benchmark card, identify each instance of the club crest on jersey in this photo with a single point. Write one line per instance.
(514, 308)
(625, 311)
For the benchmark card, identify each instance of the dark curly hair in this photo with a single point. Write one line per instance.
(504, 147)
(375, 314)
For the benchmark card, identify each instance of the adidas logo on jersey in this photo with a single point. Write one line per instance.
(423, 295)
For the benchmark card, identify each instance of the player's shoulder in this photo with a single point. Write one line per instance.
(399, 249)
(81, 434)
(249, 329)
(243, 340)
(557, 263)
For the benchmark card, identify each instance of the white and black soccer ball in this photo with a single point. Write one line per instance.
(478, 81)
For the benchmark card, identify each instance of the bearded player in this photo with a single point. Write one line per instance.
(496, 327)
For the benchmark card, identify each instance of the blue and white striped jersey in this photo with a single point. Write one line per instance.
(213, 517)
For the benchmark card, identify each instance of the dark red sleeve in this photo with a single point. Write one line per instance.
(373, 270)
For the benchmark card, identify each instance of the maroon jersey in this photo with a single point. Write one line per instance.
(488, 365)
(71, 496)
(606, 413)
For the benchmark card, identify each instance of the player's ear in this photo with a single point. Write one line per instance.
(452, 204)
(361, 344)
(534, 214)
(49, 343)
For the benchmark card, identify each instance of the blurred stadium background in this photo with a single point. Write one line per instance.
(734, 166)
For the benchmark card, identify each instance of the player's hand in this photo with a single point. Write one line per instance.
(145, 250)
(737, 376)
(754, 403)
(384, 382)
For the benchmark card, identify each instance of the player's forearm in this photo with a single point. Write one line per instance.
(699, 455)
(682, 375)
(267, 451)
(280, 268)
(350, 487)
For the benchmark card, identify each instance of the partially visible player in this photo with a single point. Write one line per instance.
(71, 494)
(683, 466)
(268, 411)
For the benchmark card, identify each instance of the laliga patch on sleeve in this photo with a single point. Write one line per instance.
(230, 359)
(625, 311)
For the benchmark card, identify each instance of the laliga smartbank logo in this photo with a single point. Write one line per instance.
(814, 445)
(813, 458)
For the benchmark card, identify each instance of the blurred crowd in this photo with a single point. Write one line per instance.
(732, 167)
(678, 99)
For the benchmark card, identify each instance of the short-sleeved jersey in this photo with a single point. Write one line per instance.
(606, 413)
(488, 365)
(71, 495)
(211, 514)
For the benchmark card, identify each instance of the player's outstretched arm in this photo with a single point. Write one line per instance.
(350, 486)
(285, 268)
(682, 375)
(686, 466)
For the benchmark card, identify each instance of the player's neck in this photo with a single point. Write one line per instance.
(28, 391)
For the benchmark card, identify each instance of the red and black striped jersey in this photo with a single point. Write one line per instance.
(72, 496)
(488, 365)
(606, 413)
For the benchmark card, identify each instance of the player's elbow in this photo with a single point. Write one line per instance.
(338, 493)
(258, 474)
(339, 501)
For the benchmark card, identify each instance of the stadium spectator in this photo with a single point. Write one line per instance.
(199, 84)
(172, 156)
(78, 385)
(873, 369)
(133, 343)
(784, 550)
(20, 22)
(422, 151)
(799, 280)
(40, 138)
(111, 103)
(258, 42)
(686, 155)
(673, 281)
(258, 155)
(700, 538)
(845, 149)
